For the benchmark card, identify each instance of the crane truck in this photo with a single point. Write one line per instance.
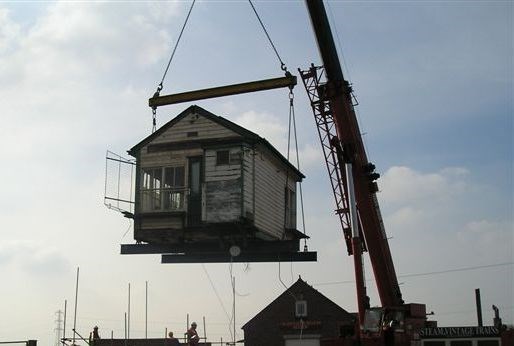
(353, 179)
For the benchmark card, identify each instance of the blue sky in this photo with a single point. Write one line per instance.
(435, 84)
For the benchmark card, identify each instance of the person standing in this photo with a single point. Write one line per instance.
(172, 340)
(192, 336)
(94, 336)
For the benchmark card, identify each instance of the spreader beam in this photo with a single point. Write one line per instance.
(234, 89)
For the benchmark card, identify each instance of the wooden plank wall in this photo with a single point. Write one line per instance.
(248, 160)
(205, 128)
(270, 182)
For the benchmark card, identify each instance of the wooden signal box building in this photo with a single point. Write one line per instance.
(206, 182)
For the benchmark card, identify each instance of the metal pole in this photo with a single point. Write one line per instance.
(64, 327)
(128, 313)
(479, 307)
(76, 297)
(146, 309)
(204, 331)
(125, 329)
(234, 306)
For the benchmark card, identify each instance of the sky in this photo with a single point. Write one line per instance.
(434, 80)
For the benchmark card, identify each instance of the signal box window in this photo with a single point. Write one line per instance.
(162, 189)
(225, 157)
(222, 157)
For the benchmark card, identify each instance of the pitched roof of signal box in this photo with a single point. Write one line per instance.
(248, 135)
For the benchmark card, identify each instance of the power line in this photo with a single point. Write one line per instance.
(423, 274)
(457, 270)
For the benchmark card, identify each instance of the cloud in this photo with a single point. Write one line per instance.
(403, 184)
(486, 238)
(33, 259)
(9, 31)
(269, 126)
(423, 208)
(265, 125)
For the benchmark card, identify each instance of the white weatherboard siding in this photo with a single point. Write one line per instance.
(248, 183)
(167, 158)
(205, 128)
(160, 223)
(270, 182)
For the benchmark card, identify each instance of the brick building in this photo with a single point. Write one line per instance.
(300, 316)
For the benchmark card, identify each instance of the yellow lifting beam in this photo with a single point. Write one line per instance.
(234, 89)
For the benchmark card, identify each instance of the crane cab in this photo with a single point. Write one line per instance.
(203, 182)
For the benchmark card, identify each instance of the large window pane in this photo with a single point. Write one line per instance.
(179, 177)
(162, 189)
(169, 177)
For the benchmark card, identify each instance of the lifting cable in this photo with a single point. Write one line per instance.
(282, 65)
(160, 86)
(292, 120)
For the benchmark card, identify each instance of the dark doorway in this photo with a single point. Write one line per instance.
(194, 208)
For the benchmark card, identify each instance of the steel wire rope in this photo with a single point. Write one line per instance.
(176, 44)
(339, 45)
(290, 293)
(292, 120)
(346, 68)
(282, 65)
(298, 166)
(287, 197)
(215, 291)
(235, 293)
(232, 316)
(160, 86)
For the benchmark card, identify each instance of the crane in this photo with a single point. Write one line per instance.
(353, 179)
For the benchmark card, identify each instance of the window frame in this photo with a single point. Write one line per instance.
(168, 196)
(229, 157)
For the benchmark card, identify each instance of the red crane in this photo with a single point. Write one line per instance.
(352, 178)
